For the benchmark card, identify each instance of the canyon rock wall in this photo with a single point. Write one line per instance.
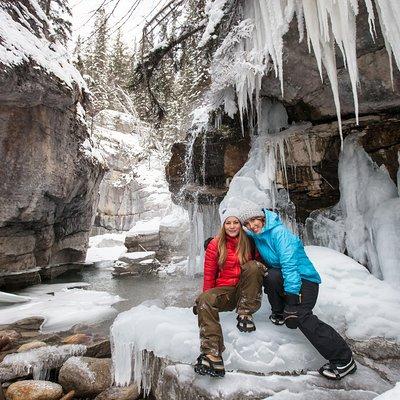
(49, 178)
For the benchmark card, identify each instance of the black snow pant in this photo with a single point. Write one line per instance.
(322, 336)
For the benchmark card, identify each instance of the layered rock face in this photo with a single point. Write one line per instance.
(49, 181)
(134, 188)
(217, 156)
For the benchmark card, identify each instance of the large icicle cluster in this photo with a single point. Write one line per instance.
(255, 45)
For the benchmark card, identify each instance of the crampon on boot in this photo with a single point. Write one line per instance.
(205, 366)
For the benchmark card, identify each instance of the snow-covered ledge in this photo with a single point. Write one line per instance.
(348, 295)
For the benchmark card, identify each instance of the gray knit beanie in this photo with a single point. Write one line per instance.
(228, 212)
(250, 211)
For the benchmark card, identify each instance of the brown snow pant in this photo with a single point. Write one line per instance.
(245, 297)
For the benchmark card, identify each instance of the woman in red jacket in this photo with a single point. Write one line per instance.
(232, 279)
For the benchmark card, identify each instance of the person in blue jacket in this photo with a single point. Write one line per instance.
(292, 285)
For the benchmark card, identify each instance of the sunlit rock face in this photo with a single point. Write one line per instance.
(134, 188)
(48, 180)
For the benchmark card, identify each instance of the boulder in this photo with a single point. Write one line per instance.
(130, 392)
(69, 396)
(29, 324)
(135, 242)
(34, 390)
(8, 337)
(30, 345)
(78, 338)
(137, 257)
(87, 376)
(101, 348)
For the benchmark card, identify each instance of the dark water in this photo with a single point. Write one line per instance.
(179, 290)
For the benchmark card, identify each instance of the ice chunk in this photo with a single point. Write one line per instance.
(363, 188)
(38, 361)
(13, 298)
(326, 228)
(99, 254)
(392, 394)
(63, 309)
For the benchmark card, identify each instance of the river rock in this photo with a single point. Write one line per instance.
(148, 241)
(78, 338)
(29, 324)
(120, 393)
(69, 396)
(137, 257)
(30, 345)
(8, 338)
(87, 376)
(101, 348)
(34, 390)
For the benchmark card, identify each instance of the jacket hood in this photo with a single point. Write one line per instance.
(271, 221)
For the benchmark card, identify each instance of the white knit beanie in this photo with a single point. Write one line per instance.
(251, 210)
(228, 212)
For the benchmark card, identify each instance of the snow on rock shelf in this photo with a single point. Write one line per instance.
(62, 307)
(345, 301)
(19, 44)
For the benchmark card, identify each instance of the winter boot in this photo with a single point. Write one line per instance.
(277, 318)
(338, 370)
(205, 366)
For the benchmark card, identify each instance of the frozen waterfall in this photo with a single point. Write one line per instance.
(371, 206)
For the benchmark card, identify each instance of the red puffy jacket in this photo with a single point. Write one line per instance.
(226, 275)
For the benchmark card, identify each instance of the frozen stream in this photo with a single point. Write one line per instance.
(95, 295)
(177, 291)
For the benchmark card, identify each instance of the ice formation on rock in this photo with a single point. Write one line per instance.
(257, 179)
(38, 361)
(345, 302)
(371, 206)
(255, 45)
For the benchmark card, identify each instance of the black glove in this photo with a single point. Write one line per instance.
(291, 311)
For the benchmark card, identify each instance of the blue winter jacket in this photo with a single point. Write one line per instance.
(279, 248)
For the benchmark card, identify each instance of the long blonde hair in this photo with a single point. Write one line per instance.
(243, 249)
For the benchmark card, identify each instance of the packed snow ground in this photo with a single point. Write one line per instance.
(347, 296)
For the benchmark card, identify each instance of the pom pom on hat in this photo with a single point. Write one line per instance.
(228, 212)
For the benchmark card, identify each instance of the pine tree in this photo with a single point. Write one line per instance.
(120, 63)
(97, 64)
(78, 56)
(59, 12)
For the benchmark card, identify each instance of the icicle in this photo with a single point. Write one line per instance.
(371, 18)
(389, 19)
